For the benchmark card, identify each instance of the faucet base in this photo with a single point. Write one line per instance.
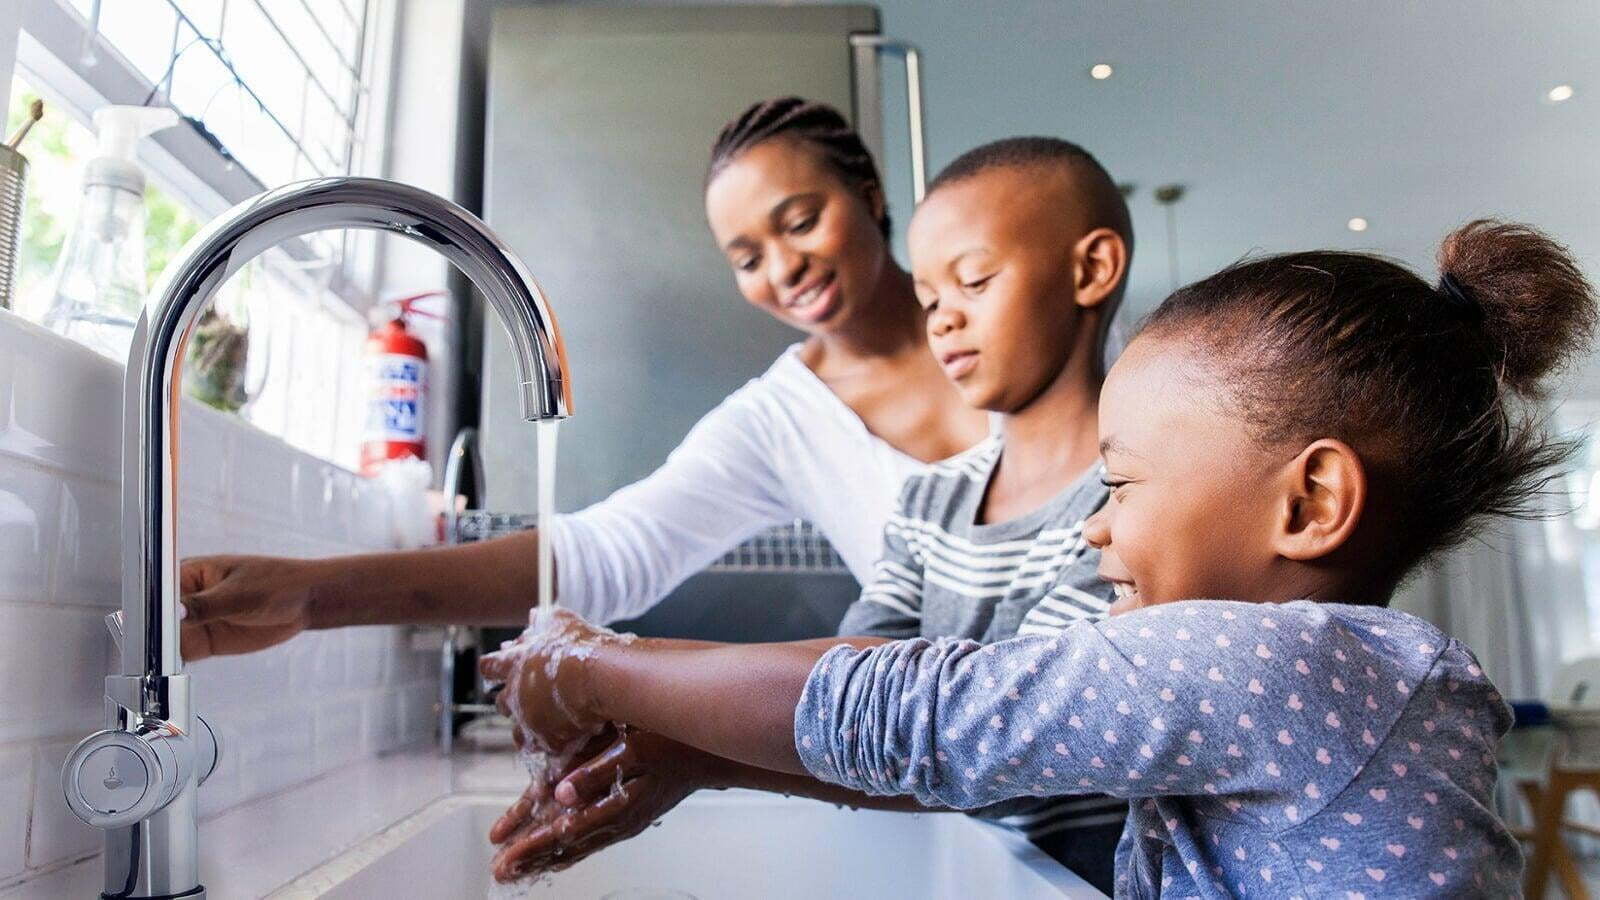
(198, 893)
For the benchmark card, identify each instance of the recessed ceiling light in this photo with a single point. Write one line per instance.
(1102, 71)
(1356, 224)
(1559, 93)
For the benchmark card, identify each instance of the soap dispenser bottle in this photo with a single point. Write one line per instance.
(98, 286)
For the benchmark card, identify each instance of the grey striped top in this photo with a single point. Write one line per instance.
(944, 575)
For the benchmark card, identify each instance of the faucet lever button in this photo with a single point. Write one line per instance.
(116, 778)
(112, 779)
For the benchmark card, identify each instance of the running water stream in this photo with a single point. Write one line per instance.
(548, 431)
(544, 766)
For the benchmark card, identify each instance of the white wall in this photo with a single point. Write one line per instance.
(285, 715)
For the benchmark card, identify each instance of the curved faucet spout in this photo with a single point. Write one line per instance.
(150, 645)
(153, 734)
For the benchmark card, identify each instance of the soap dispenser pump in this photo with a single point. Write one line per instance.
(99, 283)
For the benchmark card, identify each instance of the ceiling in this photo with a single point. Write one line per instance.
(1285, 119)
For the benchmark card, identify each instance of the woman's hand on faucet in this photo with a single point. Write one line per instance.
(614, 795)
(240, 604)
(546, 692)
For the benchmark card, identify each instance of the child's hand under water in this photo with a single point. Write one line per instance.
(613, 795)
(545, 693)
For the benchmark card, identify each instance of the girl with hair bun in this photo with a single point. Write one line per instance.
(1284, 441)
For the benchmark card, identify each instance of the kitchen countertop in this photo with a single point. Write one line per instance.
(254, 848)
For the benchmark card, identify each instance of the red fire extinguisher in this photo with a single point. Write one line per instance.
(397, 388)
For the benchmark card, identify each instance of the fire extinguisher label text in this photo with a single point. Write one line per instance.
(394, 408)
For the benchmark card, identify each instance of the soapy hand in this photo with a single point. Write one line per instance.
(240, 604)
(613, 796)
(546, 692)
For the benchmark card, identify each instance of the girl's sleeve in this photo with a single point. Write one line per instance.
(1214, 698)
(617, 558)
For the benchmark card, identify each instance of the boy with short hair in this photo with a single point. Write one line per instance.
(1019, 254)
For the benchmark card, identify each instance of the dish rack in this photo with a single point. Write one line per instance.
(797, 548)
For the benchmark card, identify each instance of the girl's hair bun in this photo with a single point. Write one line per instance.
(1535, 307)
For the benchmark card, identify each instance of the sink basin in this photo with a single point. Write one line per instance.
(714, 846)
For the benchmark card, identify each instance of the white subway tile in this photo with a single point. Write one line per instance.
(73, 881)
(89, 551)
(263, 485)
(370, 526)
(247, 682)
(30, 499)
(364, 658)
(201, 532)
(330, 663)
(312, 496)
(342, 515)
(52, 675)
(383, 721)
(66, 401)
(339, 732)
(16, 793)
(302, 662)
(203, 453)
(56, 834)
(280, 750)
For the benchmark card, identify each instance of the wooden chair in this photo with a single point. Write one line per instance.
(1570, 766)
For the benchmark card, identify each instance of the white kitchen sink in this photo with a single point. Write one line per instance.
(714, 846)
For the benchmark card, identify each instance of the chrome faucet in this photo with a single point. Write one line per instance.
(138, 778)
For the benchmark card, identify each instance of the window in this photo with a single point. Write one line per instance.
(277, 82)
(270, 92)
(1576, 535)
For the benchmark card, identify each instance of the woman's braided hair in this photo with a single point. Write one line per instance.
(815, 124)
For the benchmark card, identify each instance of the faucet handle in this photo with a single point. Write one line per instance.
(117, 778)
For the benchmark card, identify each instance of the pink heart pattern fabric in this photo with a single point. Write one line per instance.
(1375, 780)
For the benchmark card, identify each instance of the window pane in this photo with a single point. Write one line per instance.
(142, 31)
(206, 15)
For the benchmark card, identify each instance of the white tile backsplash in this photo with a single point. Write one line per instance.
(52, 674)
(29, 500)
(16, 793)
(286, 714)
(89, 547)
(55, 835)
(65, 399)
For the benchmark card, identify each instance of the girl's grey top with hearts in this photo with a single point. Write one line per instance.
(1293, 750)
